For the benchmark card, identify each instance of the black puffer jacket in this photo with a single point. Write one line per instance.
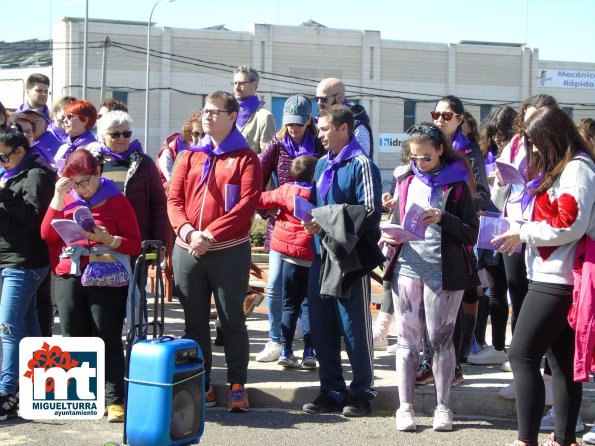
(23, 203)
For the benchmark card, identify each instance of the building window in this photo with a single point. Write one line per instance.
(408, 115)
(568, 110)
(484, 111)
(121, 96)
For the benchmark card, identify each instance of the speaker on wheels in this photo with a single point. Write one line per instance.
(166, 398)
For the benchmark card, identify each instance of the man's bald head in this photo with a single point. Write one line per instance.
(330, 91)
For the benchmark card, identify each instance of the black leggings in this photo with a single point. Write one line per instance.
(516, 276)
(543, 328)
(498, 303)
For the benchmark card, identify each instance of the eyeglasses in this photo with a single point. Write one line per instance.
(425, 158)
(324, 99)
(70, 117)
(5, 158)
(213, 112)
(83, 183)
(196, 134)
(446, 115)
(240, 83)
(115, 135)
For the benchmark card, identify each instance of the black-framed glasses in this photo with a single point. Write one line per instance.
(425, 158)
(127, 134)
(446, 115)
(324, 99)
(5, 158)
(82, 183)
(212, 112)
(196, 134)
(240, 83)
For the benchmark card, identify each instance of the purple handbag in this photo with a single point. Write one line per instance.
(105, 271)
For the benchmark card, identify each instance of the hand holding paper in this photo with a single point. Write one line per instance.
(510, 241)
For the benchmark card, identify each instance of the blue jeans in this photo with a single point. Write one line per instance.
(295, 289)
(274, 298)
(18, 318)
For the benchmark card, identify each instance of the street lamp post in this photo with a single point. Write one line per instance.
(148, 72)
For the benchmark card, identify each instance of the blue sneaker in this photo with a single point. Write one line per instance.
(287, 359)
(309, 359)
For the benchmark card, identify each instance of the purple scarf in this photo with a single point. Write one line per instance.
(233, 141)
(48, 143)
(307, 147)
(247, 109)
(107, 189)
(459, 141)
(180, 144)
(10, 173)
(451, 173)
(82, 140)
(351, 150)
(45, 110)
(134, 146)
(58, 132)
(526, 197)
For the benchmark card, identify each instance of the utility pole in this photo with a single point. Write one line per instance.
(106, 43)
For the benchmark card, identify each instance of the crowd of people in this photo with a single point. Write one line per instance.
(316, 184)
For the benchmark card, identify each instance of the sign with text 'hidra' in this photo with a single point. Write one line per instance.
(61, 378)
(391, 142)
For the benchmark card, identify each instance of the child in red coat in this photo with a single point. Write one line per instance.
(295, 246)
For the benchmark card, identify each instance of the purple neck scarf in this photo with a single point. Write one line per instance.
(233, 141)
(45, 110)
(82, 140)
(48, 143)
(527, 196)
(247, 109)
(490, 158)
(351, 150)
(58, 132)
(307, 146)
(107, 189)
(134, 146)
(451, 173)
(10, 173)
(180, 144)
(459, 141)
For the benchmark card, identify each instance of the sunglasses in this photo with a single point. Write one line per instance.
(70, 117)
(196, 134)
(446, 115)
(425, 158)
(324, 99)
(127, 134)
(5, 158)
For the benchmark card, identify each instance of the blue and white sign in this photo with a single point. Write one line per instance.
(561, 78)
(391, 142)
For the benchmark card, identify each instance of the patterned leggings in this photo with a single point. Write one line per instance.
(418, 307)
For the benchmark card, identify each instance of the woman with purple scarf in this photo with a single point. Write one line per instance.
(429, 276)
(134, 172)
(26, 188)
(88, 308)
(78, 120)
(297, 137)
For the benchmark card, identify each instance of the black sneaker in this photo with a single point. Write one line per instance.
(357, 407)
(424, 374)
(8, 406)
(325, 403)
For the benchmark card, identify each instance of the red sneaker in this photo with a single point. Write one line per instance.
(237, 400)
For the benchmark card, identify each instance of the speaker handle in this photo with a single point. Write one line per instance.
(162, 339)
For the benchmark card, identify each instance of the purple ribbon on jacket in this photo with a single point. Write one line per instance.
(351, 150)
(247, 109)
(82, 140)
(451, 173)
(307, 146)
(107, 189)
(9, 173)
(135, 146)
(233, 141)
(526, 196)
(459, 141)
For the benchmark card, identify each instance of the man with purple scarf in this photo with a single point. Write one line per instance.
(254, 121)
(347, 193)
(37, 95)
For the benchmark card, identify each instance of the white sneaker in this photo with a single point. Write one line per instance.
(380, 342)
(392, 349)
(549, 393)
(442, 418)
(506, 367)
(508, 392)
(548, 422)
(589, 437)
(404, 418)
(488, 355)
(270, 352)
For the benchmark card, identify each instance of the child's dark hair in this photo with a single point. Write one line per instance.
(302, 168)
(14, 138)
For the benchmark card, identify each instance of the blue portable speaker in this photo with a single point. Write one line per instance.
(166, 398)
